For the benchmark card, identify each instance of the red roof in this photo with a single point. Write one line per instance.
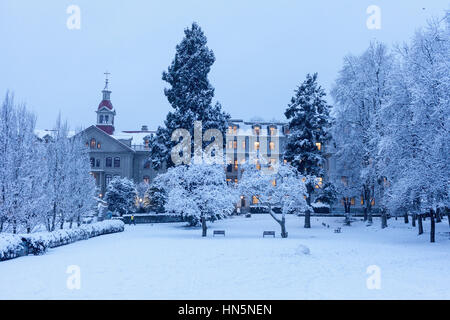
(105, 103)
(108, 128)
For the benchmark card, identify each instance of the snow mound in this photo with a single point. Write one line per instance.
(11, 246)
(302, 250)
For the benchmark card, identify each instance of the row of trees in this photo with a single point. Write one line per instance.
(42, 182)
(391, 127)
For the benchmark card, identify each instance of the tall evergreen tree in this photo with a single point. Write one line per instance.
(190, 94)
(309, 122)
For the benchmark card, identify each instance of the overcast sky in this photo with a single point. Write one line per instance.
(263, 51)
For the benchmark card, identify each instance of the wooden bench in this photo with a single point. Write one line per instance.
(222, 232)
(269, 233)
(338, 230)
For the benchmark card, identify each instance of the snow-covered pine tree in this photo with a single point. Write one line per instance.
(121, 196)
(190, 94)
(309, 123)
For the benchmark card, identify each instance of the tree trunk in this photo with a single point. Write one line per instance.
(448, 218)
(52, 228)
(406, 218)
(79, 221)
(438, 215)
(432, 226)
(413, 220)
(419, 219)
(14, 227)
(28, 230)
(70, 224)
(307, 219)
(284, 234)
(369, 216)
(204, 229)
(383, 219)
(365, 214)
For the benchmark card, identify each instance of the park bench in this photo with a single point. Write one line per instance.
(337, 230)
(269, 233)
(222, 232)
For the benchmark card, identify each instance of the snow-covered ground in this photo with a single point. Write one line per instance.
(170, 261)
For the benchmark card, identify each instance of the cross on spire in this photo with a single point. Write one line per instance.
(106, 79)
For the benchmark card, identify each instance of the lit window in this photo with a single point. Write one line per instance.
(256, 145)
(319, 146)
(256, 130)
(352, 201)
(272, 131)
(235, 164)
(243, 145)
(234, 144)
(230, 129)
(373, 202)
(258, 166)
(272, 145)
(235, 129)
(255, 200)
(99, 145)
(274, 182)
(362, 200)
(319, 183)
(93, 143)
(230, 144)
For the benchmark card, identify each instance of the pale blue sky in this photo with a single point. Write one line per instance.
(263, 51)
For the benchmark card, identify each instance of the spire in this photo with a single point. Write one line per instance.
(106, 92)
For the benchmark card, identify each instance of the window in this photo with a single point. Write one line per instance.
(243, 145)
(146, 143)
(256, 130)
(108, 162)
(147, 179)
(235, 129)
(99, 145)
(235, 180)
(273, 131)
(352, 201)
(230, 144)
(373, 202)
(93, 143)
(106, 118)
(92, 162)
(274, 182)
(256, 145)
(116, 162)
(258, 166)
(234, 144)
(255, 200)
(101, 119)
(272, 145)
(362, 200)
(229, 168)
(235, 164)
(230, 130)
(97, 163)
(108, 179)
(344, 180)
(319, 146)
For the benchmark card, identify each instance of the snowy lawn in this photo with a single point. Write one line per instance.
(170, 261)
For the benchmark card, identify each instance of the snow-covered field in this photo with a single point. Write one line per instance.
(170, 261)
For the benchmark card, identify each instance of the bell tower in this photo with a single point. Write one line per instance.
(105, 111)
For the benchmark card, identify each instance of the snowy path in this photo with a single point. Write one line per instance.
(169, 261)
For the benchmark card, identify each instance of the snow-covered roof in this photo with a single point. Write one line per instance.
(136, 137)
(41, 133)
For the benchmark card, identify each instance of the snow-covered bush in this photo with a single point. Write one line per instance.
(11, 246)
(121, 195)
(38, 243)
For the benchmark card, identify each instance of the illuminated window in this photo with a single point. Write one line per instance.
(256, 145)
(243, 145)
(258, 166)
(234, 144)
(236, 180)
(255, 200)
(272, 145)
(230, 129)
(146, 143)
(352, 201)
(373, 202)
(319, 182)
(362, 200)
(230, 144)
(93, 143)
(319, 146)
(228, 180)
(274, 182)
(235, 164)
(285, 161)
(235, 129)
(256, 130)
(99, 145)
(273, 131)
